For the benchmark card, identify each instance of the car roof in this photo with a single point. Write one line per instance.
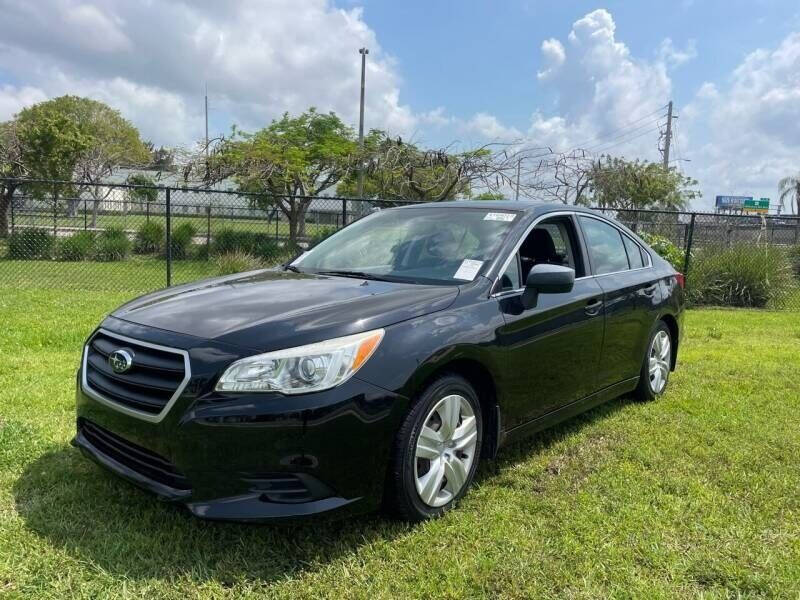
(524, 206)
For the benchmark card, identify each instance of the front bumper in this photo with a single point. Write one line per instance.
(254, 457)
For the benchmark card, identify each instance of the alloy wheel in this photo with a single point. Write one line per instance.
(445, 450)
(658, 362)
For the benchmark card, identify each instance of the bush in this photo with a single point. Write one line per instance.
(740, 275)
(794, 259)
(665, 249)
(322, 233)
(260, 245)
(181, 240)
(236, 262)
(149, 238)
(79, 246)
(31, 243)
(111, 245)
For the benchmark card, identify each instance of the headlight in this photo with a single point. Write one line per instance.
(303, 369)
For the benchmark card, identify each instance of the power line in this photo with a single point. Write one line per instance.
(625, 141)
(626, 126)
(624, 135)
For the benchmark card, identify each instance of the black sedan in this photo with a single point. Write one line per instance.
(378, 368)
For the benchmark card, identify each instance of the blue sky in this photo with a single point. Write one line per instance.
(519, 72)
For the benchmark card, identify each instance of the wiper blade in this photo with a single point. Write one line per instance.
(357, 274)
(292, 268)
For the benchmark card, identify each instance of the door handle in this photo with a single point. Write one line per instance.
(650, 290)
(593, 307)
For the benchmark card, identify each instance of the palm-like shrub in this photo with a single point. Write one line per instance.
(258, 244)
(32, 243)
(78, 246)
(740, 275)
(236, 262)
(181, 240)
(111, 245)
(149, 238)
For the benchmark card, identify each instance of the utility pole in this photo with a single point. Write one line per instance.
(668, 136)
(516, 193)
(206, 112)
(360, 193)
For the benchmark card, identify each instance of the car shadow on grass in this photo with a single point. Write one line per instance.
(116, 527)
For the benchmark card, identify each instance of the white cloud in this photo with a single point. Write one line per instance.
(674, 57)
(151, 60)
(600, 88)
(554, 56)
(13, 99)
(749, 129)
(489, 127)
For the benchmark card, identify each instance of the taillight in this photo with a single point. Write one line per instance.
(681, 279)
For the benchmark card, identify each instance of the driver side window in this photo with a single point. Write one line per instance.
(553, 242)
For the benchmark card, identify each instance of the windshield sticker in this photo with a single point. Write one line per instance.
(468, 269)
(507, 217)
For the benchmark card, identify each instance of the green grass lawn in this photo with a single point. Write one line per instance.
(694, 495)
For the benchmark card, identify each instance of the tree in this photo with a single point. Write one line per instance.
(112, 141)
(284, 164)
(12, 167)
(50, 145)
(564, 177)
(146, 194)
(789, 189)
(161, 158)
(397, 170)
(619, 183)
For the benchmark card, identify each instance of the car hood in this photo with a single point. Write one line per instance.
(269, 310)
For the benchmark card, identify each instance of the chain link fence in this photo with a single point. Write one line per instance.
(140, 238)
(728, 259)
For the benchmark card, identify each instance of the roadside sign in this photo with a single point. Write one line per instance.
(756, 206)
(732, 201)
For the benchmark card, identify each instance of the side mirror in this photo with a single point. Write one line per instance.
(547, 279)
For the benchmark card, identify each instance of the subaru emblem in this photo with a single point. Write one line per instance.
(120, 360)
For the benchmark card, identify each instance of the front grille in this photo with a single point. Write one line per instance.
(143, 461)
(153, 379)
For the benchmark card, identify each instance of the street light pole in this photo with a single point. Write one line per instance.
(519, 165)
(363, 52)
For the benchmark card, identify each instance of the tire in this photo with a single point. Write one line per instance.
(658, 359)
(430, 473)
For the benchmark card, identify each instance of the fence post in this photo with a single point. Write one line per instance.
(169, 240)
(208, 232)
(12, 215)
(55, 216)
(344, 213)
(687, 257)
(85, 220)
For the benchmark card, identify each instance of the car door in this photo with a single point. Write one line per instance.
(551, 351)
(631, 295)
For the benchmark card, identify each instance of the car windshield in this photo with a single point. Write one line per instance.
(439, 245)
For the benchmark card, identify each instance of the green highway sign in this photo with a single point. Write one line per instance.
(753, 205)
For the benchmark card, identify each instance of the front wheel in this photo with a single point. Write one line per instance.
(436, 450)
(654, 376)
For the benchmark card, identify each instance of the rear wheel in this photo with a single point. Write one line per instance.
(436, 450)
(654, 376)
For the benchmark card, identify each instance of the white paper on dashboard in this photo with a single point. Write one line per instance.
(508, 217)
(468, 269)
